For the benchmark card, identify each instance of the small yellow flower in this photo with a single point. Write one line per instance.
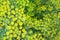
(8, 13)
(18, 37)
(24, 31)
(20, 6)
(8, 2)
(43, 39)
(20, 27)
(4, 38)
(15, 35)
(58, 14)
(34, 36)
(13, 27)
(10, 38)
(22, 10)
(14, 19)
(16, 24)
(58, 1)
(16, 9)
(27, 4)
(20, 23)
(8, 27)
(31, 31)
(13, 12)
(10, 35)
(8, 8)
(43, 8)
(16, 30)
(5, 2)
(12, 16)
(10, 31)
(12, 23)
(12, 6)
(7, 33)
(23, 35)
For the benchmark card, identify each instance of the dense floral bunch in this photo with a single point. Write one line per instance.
(29, 19)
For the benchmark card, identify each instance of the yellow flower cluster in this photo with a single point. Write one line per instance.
(29, 19)
(58, 14)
